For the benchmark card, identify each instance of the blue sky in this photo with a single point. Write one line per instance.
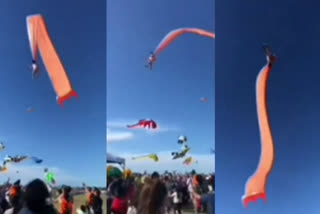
(293, 99)
(170, 94)
(70, 140)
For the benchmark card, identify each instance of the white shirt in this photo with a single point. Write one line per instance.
(79, 211)
(9, 211)
(132, 210)
(176, 198)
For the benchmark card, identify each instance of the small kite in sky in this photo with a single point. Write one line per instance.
(20, 158)
(40, 41)
(3, 169)
(145, 123)
(204, 99)
(256, 184)
(2, 146)
(30, 109)
(182, 139)
(153, 157)
(15, 159)
(189, 161)
(50, 176)
(171, 37)
(181, 154)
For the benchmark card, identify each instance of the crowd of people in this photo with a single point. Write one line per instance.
(37, 198)
(168, 193)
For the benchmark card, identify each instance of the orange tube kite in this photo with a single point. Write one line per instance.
(171, 37)
(40, 40)
(256, 184)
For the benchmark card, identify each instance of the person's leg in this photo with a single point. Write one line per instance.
(195, 205)
(175, 208)
(179, 208)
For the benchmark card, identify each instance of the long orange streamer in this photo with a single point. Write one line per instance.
(256, 184)
(40, 40)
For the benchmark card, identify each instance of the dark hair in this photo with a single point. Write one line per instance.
(155, 175)
(35, 196)
(152, 197)
(120, 188)
(67, 190)
(83, 208)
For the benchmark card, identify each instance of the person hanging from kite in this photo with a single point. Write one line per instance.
(145, 123)
(181, 154)
(151, 60)
(35, 69)
(171, 37)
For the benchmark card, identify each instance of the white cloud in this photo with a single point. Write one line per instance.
(118, 136)
(28, 173)
(206, 163)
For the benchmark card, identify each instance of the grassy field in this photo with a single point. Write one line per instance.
(81, 199)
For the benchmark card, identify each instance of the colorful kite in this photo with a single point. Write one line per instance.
(20, 158)
(182, 139)
(51, 178)
(189, 161)
(3, 169)
(171, 37)
(181, 154)
(145, 123)
(204, 99)
(2, 146)
(153, 157)
(40, 41)
(30, 109)
(256, 184)
(36, 160)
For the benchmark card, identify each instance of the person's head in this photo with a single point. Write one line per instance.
(60, 191)
(67, 190)
(120, 188)
(152, 198)
(35, 196)
(198, 180)
(89, 189)
(83, 208)
(155, 175)
(97, 191)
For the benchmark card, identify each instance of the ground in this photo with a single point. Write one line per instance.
(81, 199)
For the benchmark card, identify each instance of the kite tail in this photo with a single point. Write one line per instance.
(68, 96)
(133, 126)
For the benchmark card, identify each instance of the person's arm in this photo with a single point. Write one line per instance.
(196, 195)
(173, 194)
